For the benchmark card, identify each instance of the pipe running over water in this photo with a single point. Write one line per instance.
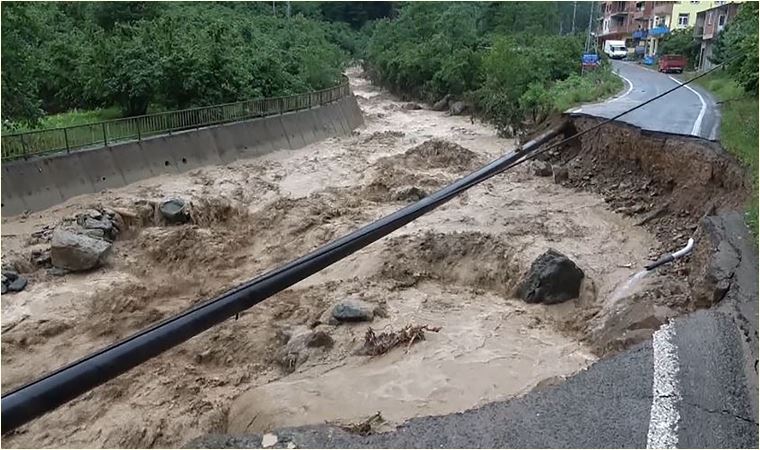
(53, 390)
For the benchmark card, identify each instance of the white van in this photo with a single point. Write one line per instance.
(615, 49)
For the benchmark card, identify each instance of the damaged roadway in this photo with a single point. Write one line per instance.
(714, 370)
(687, 111)
(609, 405)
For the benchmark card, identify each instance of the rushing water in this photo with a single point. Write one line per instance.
(626, 287)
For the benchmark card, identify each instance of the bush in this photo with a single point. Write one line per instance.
(681, 42)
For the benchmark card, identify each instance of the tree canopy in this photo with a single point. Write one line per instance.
(737, 47)
(59, 56)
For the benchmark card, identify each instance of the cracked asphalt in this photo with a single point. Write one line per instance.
(609, 405)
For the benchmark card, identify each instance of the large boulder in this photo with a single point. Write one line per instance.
(77, 252)
(174, 210)
(552, 278)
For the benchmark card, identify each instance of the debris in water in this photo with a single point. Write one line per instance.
(378, 344)
(365, 426)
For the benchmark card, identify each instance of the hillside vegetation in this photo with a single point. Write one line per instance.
(508, 60)
(736, 88)
(60, 57)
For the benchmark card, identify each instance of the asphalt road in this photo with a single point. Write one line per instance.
(694, 385)
(690, 110)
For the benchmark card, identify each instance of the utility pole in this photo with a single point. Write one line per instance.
(287, 8)
(274, 11)
(572, 29)
(588, 32)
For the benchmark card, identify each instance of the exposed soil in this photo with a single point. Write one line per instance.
(455, 268)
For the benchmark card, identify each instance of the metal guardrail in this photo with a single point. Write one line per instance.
(39, 142)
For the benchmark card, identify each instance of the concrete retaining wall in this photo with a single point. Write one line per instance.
(36, 184)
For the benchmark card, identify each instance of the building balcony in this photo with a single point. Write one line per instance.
(659, 31)
(640, 34)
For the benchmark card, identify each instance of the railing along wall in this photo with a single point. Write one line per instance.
(39, 142)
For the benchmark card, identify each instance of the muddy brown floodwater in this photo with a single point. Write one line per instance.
(454, 268)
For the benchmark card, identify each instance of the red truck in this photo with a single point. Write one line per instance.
(672, 63)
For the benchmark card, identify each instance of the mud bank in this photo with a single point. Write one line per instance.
(671, 186)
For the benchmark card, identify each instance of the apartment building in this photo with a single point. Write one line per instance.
(640, 23)
(685, 13)
(643, 24)
(707, 26)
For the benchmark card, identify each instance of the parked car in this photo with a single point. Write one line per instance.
(672, 63)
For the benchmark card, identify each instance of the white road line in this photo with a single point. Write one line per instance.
(630, 88)
(664, 417)
(697, 123)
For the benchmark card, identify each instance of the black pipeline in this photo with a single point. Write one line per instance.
(47, 393)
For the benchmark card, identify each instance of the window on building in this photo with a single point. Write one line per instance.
(719, 3)
(694, 3)
(721, 20)
(683, 20)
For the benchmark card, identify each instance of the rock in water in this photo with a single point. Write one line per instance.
(77, 252)
(174, 210)
(552, 278)
(410, 193)
(560, 174)
(442, 104)
(353, 310)
(412, 106)
(94, 213)
(18, 284)
(457, 108)
(300, 344)
(541, 168)
(97, 224)
(9, 275)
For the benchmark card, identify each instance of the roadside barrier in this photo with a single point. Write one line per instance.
(67, 139)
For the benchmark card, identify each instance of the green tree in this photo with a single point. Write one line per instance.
(681, 42)
(737, 47)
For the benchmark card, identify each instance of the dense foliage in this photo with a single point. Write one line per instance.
(506, 58)
(737, 47)
(136, 55)
(681, 42)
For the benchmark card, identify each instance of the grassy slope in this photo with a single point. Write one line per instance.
(577, 90)
(738, 130)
